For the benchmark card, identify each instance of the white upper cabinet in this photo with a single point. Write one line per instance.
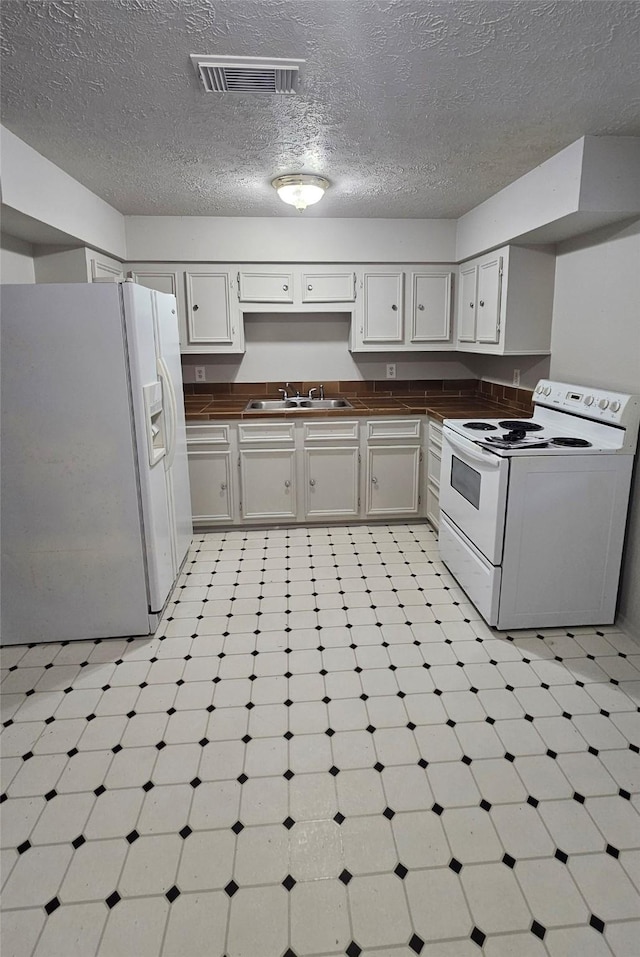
(467, 289)
(211, 312)
(490, 275)
(379, 316)
(158, 279)
(329, 286)
(104, 269)
(265, 286)
(429, 310)
(296, 288)
(505, 302)
(207, 301)
(386, 319)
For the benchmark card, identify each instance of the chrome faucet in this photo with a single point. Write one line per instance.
(285, 394)
(311, 391)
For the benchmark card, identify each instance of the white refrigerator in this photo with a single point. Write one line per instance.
(95, 503)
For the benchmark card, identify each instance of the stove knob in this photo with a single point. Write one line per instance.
(547, 390)
(588, 400)
(538, 389)
(603, 403)
(615, 405)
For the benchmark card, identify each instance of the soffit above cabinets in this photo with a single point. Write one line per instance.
(412, 109)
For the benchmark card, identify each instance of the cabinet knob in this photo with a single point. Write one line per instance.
(285, 287)
(394, 307)
(482, 302)
(312, 482)
(374, 480)
(471, 305)
(223, 486)
(420, 306)
(309, 287)
(195, 308)
(287, 483)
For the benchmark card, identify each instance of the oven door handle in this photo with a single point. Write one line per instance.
(468, 450)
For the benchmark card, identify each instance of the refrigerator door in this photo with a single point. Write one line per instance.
(73, 563)
(151, 411)
(175, 463)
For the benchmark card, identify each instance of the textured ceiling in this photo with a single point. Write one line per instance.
(411, 108)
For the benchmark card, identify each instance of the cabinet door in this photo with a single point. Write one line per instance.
(382, 307)
(106, 271)
(211, 481)
(488, 310)
(268, 483)
(331, 482)
(430, 307)
(158, 280)
(265, 286)
(210, 321)
(467, 303)
(393, 475)
(328, 287)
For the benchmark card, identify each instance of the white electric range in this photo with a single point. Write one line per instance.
(533, 511)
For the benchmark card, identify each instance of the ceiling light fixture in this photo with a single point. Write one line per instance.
(300, 189)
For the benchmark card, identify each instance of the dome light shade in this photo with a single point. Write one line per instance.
(300, 189)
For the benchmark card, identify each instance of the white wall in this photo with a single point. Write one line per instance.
(596, 341)
(596, 312)
(501, 369)
(16, 260)
(315, 348)
(35, 187)
(272, 239)
(593, 181)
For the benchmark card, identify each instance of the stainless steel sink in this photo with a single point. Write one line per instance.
(296, 404)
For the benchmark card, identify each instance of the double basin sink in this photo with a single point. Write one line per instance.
(296, 403)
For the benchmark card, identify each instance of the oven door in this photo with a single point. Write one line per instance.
(473, 492)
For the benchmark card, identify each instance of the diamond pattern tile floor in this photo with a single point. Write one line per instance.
(323, 751)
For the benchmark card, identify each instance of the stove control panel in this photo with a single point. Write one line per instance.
(614, 408)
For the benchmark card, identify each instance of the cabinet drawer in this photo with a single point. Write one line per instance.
(328, 287)
(265, 287)
(394, 429)
(336, 429)
(208, 434)
(266, 432)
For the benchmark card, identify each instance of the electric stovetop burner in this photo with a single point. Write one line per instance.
(480, 426)
(515, 440)
(524, 426)
(570, 442)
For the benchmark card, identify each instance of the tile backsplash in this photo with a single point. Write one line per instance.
(520, 399)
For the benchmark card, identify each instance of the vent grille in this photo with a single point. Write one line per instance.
(235, 74)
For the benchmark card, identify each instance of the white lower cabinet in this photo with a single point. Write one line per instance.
(331, 482)
(267, 460)
(211, 458)
(254, 472)
(392, 480)
(211, 478)
(268, 484)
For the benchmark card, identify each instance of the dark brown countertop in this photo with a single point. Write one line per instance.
(209, 407)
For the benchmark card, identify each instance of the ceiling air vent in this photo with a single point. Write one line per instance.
(247, 74)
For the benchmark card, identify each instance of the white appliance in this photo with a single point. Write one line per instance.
(96, 509)
(533, 511)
